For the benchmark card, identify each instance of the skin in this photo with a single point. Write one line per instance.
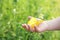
(49, 25)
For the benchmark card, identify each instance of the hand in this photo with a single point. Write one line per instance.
(44, 26)
(40, 28)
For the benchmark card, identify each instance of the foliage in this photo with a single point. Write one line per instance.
(13, 13)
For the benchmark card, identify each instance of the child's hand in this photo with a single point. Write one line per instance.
(46, 25)
(41, 28)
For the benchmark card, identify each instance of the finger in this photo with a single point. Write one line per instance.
(31, 29)
(25, 26)
(36, 29)
(29, 17)
(28, 28)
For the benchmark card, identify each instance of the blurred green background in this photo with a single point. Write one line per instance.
(13, 13)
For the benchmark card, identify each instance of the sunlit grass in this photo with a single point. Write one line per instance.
(13, 13)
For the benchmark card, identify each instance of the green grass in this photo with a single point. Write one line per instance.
(13, 13)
